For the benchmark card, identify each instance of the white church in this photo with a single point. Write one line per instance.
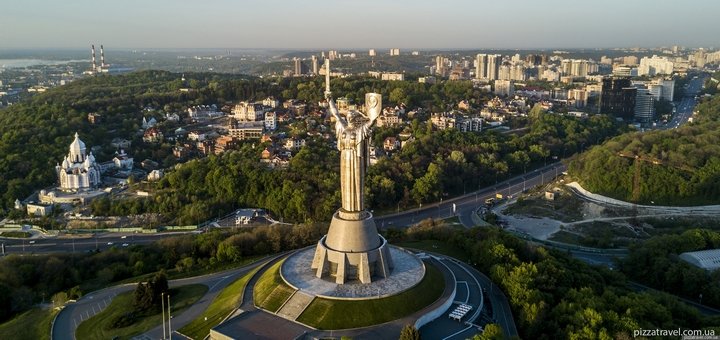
(78, 170)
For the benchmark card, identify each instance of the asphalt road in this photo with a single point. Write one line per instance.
(684, 109)
(466, 205)
(75, 313)
(475, 289)
(78, 244)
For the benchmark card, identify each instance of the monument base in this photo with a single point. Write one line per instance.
(352, 250)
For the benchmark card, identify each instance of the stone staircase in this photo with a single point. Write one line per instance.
(295, 305)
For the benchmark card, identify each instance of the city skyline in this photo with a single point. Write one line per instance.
(404, 24)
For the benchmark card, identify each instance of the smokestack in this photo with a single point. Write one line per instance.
(94, 66)
(102, 56)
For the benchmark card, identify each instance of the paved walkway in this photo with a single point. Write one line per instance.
(649, 209)
(408, 271)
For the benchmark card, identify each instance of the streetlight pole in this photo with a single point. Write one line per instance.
(162, 302)
(169, 317)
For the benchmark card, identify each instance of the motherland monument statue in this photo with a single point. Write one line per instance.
(352, 249)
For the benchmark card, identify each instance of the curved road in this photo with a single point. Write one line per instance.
(73, 314)
(466, 205)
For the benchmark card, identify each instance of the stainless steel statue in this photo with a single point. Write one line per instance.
(352, 132)
(352, 248)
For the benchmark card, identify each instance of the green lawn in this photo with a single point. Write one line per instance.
(271, 291)
(98, 326)
(31, 325)
(343, 314)
(224, 303)
(439, 247)
(16, 234)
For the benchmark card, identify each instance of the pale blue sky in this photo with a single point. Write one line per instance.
(312, 24)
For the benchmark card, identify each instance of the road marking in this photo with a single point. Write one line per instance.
(456, 333)
(467, 287)
(217, 283)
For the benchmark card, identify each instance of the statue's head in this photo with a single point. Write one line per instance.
(350, 117)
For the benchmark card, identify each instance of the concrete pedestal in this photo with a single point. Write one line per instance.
(352, 250)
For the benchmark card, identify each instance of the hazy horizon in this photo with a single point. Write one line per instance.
(346, 25)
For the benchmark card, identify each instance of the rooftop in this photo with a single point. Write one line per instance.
(705, 259)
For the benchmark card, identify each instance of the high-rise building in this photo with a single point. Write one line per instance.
(579, 68)
(394, 51)
(504, 88)
(314, 60)
(655, 65)
(440, 66)
(618, 98)
(566, 67)
(577, 98)
(504, 72)
(630, 60)
(644, 106)
(298, 66)
(534, 59)
(700, 58)
(493, 66)
(481, 66)
(372, 52)
(517, 72)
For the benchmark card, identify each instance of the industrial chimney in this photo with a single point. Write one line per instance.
(102, 57)
(94, 66)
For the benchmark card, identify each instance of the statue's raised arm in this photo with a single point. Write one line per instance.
(331, 107)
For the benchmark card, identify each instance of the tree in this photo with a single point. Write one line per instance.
(148, 295)
(409, 332)
(59, 299)
(492, 331)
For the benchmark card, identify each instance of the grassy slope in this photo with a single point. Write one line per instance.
(31, 325)
(338, 314)
(271, 291)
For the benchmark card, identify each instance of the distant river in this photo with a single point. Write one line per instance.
(19, 63)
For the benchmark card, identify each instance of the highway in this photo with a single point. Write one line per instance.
(684, 109)
(466, 205)
(78, 244)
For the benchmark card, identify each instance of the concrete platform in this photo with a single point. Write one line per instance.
(408, 272)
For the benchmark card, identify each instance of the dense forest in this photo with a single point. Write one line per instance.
(656, 263)
(675, 167)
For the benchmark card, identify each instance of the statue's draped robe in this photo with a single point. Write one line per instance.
(352, 143)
